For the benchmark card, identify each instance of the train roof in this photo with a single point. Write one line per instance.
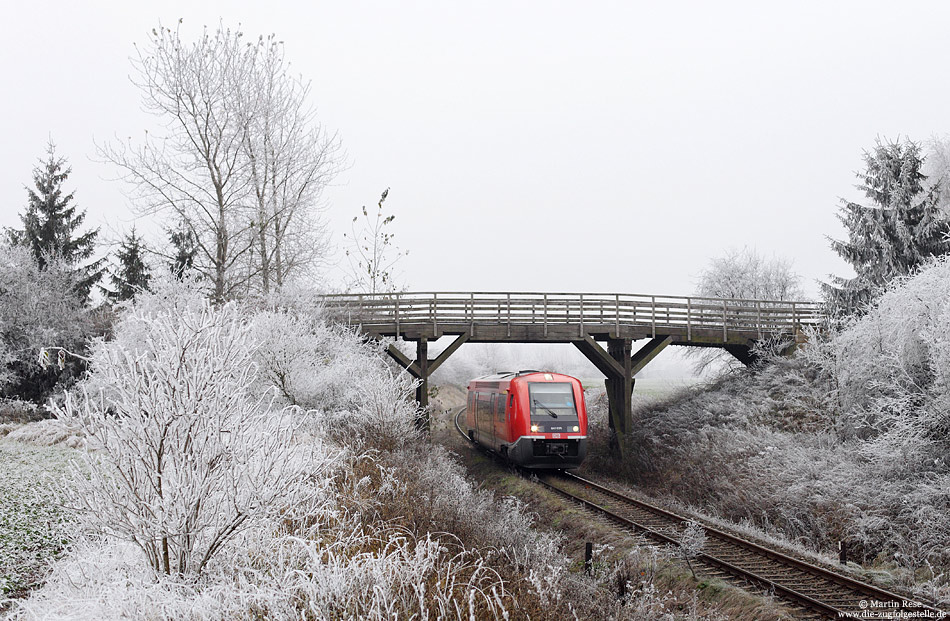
(510, 375)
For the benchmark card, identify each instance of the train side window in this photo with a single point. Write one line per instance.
(500, 408)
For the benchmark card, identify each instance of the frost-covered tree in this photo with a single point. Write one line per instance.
(936, 167)
(290, 160)
(901, 228)
(184, 249)
(240, 158)
(51, 225)
(132, 274)
(35, 314)
(746, 274)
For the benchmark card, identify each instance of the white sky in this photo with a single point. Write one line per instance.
(539, 146)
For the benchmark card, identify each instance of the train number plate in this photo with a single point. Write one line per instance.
(555, 435)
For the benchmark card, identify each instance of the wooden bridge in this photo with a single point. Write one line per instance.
(584, 319)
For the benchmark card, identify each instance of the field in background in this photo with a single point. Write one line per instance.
(653, 387)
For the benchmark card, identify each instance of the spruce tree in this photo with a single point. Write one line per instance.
(132, 274)
(902, 228)
(185, 248)
(51, 225)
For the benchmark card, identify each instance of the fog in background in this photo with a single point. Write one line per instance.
(530, 146)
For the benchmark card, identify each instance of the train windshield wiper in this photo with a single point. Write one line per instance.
(541, 405)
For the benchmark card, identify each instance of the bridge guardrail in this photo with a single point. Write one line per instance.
(762, 317)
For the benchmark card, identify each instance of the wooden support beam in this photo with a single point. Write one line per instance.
(404, 361)
(649, 351)
(600, 358)
(743, 354)
(448, 351)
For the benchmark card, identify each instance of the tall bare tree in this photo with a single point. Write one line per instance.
(240, 158)
(291, 160)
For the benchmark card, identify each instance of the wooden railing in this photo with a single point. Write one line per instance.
(759, 317)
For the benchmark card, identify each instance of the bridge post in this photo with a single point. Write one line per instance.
(620, 388)
(422, 390)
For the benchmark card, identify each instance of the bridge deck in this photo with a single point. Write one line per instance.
(567, 317)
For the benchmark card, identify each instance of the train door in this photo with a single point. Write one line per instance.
(483, 414)
(470, 412)
(500, 424)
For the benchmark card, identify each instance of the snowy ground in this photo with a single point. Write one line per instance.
(31, 523)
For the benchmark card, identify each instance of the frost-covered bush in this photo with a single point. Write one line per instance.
(183, 453)
(892, 366)
(331, 369)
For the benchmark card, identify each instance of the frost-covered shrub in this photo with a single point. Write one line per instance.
(331, 369)
(183, 453)
(16, 411)
(331, 566)
(892, 366)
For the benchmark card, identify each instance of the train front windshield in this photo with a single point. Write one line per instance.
(552, 404)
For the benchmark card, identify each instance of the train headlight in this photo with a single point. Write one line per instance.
(576, 428)
(534, 428)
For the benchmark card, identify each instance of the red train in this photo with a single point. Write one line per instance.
(535, 419)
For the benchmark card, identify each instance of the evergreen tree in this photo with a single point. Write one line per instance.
(132, 275)
(51, 224)
(185, 247)
(901, 229)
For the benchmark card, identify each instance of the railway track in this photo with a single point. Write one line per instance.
(814, 591)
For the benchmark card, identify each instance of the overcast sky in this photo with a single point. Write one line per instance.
(538, 146)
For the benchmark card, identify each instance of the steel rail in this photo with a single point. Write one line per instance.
(857, 588)
(775, 587)
(843, 580)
